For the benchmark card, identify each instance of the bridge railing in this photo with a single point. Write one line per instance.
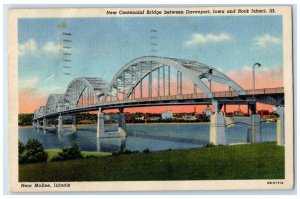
(217, 94)
(44, 111)
(265, 91)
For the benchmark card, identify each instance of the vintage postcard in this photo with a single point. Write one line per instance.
(133, 99)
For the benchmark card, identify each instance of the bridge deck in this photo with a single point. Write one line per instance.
(272, 96)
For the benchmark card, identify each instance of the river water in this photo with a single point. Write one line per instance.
(154, 137)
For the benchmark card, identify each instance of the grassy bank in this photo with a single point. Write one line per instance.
(54, 153)
(251, 161)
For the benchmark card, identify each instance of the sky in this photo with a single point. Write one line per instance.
(101, 46)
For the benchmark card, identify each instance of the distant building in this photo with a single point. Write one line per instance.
(189, 117)
(167, 115)
(154, 118)
(141, 118)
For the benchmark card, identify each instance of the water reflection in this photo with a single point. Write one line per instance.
(140, 137)
(111, 144)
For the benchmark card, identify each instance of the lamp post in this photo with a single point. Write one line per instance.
(253, 76)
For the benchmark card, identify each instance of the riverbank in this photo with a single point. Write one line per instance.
(54, 153)
(251, 161)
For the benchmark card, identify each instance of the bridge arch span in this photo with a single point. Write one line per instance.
(130, 75)
(54, 102)
(96, 86)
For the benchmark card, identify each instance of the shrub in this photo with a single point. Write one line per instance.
(146, 151)
(123, 151)
(210, 145)
(69, 153)
(32, 152)
(21, 152)
(21, 147)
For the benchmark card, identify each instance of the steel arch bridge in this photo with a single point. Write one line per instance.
(128, 88)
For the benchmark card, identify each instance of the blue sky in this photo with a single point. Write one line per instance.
(101, 46)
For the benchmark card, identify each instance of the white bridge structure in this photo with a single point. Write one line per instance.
(149, 81)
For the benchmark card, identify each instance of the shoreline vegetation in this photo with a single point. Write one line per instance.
(25, 120)
(129, 124)
(245, 161)
(135, 118)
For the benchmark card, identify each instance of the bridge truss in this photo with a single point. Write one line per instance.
(154, 80)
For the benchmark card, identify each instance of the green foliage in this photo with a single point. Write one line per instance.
(21, 147)
(212, 163)
(210, 145)
(86, 118)
(25, 119)
(52, 153)
(69, 154)
(123, 151)
(21, 152)
(146, 151)
(32, 152)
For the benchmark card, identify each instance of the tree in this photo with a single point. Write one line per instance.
(69, 153)
(25, 119)
(21, 147)
(34, 152)
(21, 152)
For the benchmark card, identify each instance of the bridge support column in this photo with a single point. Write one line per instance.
(217, 129)
(98, 144)
(60, 127)
(74, 125)
(252, 108)
(122, 124)
(255, 128)
(100, 124)
(280, 126)
(44, 123)
(38, 124)
(217, 106)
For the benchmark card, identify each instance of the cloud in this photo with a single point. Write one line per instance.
(199, 39)
(265, 77)
(28, 85)
(32, 47)
(265, 40)
(51, 47)
(28, 47)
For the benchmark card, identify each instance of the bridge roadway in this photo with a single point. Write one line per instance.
(86, 94)
(272, 96)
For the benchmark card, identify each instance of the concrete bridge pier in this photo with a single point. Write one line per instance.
(249, 135)
(44, 124)
(217, 126)
(38, 124)
(122, 123)
(34, 124)
(255, 129)
(280, 126)
(100, 124)
(98, 144)
(255, 124)
(60, 125)
(74, 125)
(217, 129)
